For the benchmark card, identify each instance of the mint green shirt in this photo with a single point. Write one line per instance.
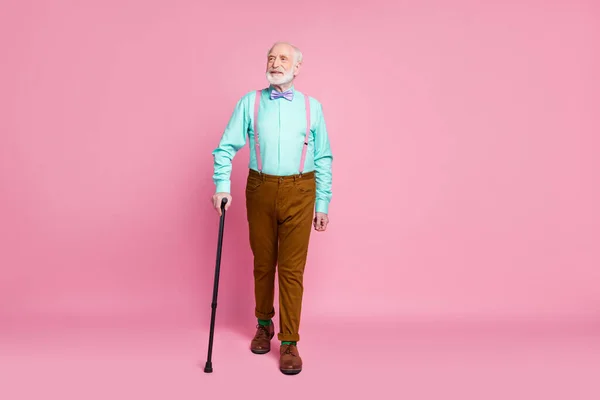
(282, 130)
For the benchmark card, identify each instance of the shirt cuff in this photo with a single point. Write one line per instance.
(322, 206)
(223, 187)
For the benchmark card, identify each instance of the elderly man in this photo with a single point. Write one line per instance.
(288, 189)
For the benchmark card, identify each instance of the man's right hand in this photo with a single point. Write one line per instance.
(217, 198)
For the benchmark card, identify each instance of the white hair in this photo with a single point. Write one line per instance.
(298, 53)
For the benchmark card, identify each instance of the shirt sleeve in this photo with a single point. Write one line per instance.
(323, 161)
(232, 140)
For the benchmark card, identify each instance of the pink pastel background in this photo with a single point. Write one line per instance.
(465, 182)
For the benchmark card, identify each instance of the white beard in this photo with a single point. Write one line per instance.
(286, 78)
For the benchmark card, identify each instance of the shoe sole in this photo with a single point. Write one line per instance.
(260, 351)
(290, 371)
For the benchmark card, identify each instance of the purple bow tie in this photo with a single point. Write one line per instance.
(288, 94)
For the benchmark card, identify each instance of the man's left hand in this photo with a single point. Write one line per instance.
(320, 222)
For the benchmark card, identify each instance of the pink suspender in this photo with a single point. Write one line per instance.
(307, 135)
(257, 143)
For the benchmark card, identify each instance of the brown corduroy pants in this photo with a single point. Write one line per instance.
(280, 214)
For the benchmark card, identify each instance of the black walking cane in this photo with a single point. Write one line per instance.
(208, 367)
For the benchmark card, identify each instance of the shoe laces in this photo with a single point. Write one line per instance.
(290, 350)
(263, 331)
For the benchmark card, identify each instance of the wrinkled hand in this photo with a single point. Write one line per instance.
(217, 198)
(320, 222)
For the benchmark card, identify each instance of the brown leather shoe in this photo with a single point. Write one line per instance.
(261, 343)
(290, 362)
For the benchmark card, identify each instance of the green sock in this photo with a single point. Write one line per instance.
(264, 322)
(284, 343)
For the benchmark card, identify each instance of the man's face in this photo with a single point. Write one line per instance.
(281, 66)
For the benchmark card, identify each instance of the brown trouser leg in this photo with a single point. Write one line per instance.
(280, 214)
